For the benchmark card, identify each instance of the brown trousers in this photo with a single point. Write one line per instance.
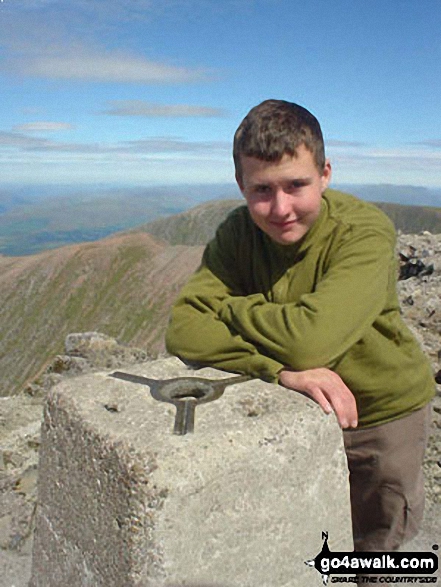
(386, 480)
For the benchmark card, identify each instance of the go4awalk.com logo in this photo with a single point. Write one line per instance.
(375, 567)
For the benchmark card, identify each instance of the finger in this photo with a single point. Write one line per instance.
(344, 405)
(351, 409)
(316, 394)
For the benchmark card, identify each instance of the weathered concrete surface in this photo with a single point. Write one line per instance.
(240, 502)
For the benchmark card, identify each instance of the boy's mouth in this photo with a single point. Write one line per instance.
(284, 224)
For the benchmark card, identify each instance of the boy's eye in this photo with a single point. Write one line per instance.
(263, 189)
(295, 185)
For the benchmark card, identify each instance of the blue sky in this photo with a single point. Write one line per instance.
(145, 92)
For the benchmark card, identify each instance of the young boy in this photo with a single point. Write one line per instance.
(299, 288)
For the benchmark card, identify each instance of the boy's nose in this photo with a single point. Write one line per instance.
(280, 207)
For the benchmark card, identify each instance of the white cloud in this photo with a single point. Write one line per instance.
(413, 166)
(169, 144)
(142, 108)
(337, 143)
(112, 66)
(151, 145)
(73, 40)
(109, 9)
(430, 143)
(176, 159)
(19, 141)
(120, 10)
(43, 127)
(125, 171)
(34, 4)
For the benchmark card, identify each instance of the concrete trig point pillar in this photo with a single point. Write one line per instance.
(240, 502)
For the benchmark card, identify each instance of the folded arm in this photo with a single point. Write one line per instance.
(318, 330)
(196, 333)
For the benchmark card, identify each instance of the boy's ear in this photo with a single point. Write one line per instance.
(326, 175)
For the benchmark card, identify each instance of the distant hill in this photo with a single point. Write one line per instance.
(193, 227)
(37, 224)
(198, 225)
(38, 218)
(33, 220)
(413, 219)
(409, 195)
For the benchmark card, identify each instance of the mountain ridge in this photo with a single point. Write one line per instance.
(122, 285)
(198, 225)
(33, 220)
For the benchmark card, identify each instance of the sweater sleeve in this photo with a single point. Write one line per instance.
(195, 331)
(319, 329)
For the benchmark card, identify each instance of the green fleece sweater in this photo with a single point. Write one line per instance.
(329, 300)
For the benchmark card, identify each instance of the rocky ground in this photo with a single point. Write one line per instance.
(421, 306)
(20, 415)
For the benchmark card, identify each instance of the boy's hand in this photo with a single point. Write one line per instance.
(327, 389)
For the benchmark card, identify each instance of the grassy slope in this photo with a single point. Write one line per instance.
(122, 286)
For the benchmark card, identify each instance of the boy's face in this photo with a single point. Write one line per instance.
(284, 197)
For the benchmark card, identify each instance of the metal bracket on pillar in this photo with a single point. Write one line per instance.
(185, 393)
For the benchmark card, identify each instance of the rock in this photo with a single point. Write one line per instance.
(101, 350)
(411, 266)
(420, 294)
(88, 343)
(68, 364)
(20, 418)
(14, 459)
(240, 502)
(85, 353)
